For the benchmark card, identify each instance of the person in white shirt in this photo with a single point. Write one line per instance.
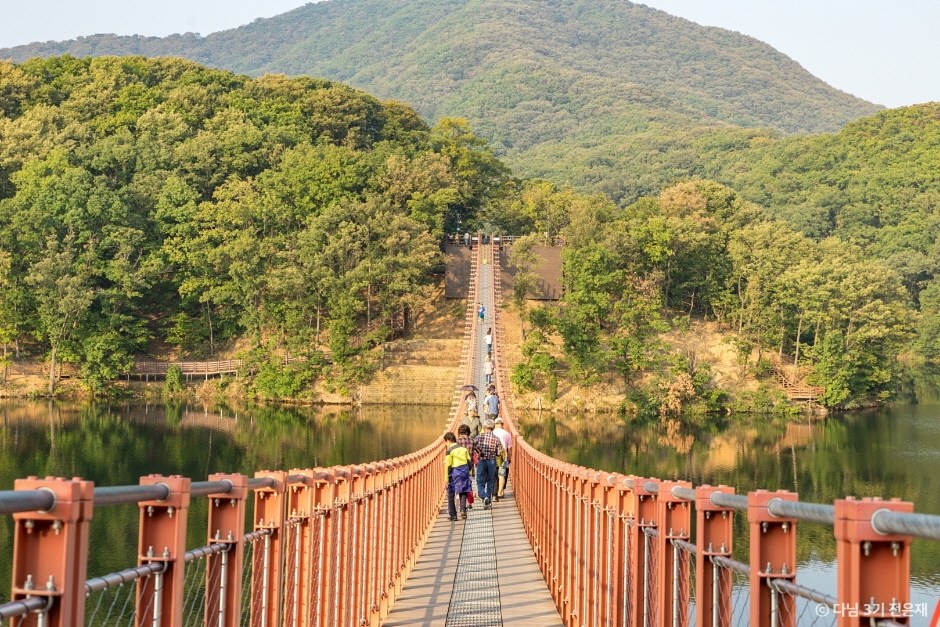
(503, 471)
(488, 370)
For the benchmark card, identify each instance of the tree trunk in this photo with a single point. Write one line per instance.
(796, 352)
(211, 334)
(52, 377)
(317, 340)
(6, 366)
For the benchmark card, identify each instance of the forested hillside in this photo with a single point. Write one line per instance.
(607, 95)
(151, 200)
(699, 249)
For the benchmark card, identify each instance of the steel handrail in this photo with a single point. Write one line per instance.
(15, 501)
(920, 525)
(206, 551)
(97, 584)
(731, 501)
(786, 586)
(810, 512)
(729, 564)
(21, 607)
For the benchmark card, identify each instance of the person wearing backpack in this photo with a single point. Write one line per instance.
(457, 471)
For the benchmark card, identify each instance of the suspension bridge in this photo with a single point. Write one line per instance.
(371, 544)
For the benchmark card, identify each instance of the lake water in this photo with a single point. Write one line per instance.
(116, 444)
(889, 453)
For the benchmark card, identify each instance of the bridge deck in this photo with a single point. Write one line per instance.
(480, 572)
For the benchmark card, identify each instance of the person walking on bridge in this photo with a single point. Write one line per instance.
(502, 472)
(465, 440)
(488, 447)
(472, 416)
(488, 370)
(491, 404)
(457, 472)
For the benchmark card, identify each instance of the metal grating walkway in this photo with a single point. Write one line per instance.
(475, 598)
(479, 572)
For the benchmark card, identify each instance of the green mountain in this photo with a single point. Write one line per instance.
(560, 87)
(876, 183)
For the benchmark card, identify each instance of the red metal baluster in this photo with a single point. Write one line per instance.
(162, 538)
(773, 556)
(50, 551)
(714, 537)
(270, 510)
(874, 569)
(226, 526)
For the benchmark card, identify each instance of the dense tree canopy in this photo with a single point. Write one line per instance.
(156, 199)
(607, 95)
(700, 248)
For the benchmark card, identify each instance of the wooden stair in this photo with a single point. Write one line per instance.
(794, 384)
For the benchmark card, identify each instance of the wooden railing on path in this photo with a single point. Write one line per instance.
(794, 385)
(206, 368)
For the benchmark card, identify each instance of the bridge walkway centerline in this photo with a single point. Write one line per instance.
(482, 571)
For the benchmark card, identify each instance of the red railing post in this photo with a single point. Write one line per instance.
(674, 519)
(162, 538)
(357, 504)
(224, 570)
(619, 508)
(714, 536)
(569, 542)
(383, 577)
(874, 569)
(644, 508)
(323, 581)
(773, 556)
(301, 504)
(341, 510)
(373, 526)
(270, 510)
(605, 551)
(588, 550)
(555, 545)
(50, 551)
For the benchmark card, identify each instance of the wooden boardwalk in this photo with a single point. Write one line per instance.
(549, 271)
(482, 571)
(457, 261)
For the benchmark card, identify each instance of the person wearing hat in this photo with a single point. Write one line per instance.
(472, 417)
(502, 472)
(487, 447)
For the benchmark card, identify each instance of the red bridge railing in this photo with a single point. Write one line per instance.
(620, 550)
(328, 546)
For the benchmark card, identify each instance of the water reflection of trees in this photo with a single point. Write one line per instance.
(886, 453)
(116, 444)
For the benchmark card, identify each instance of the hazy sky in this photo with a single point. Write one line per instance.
(886, 51)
